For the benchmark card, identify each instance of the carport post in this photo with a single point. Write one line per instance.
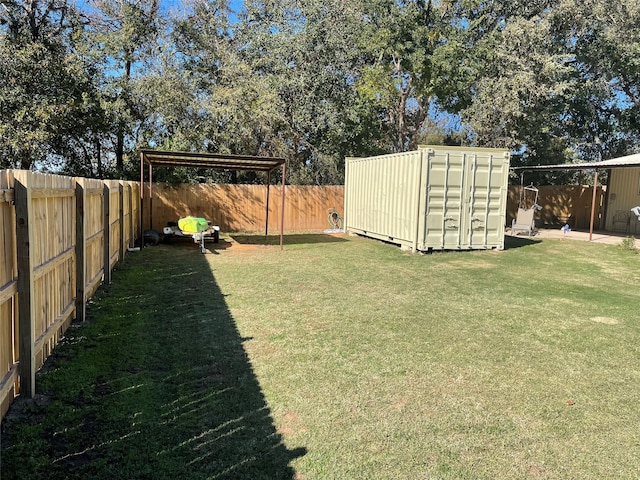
(141, 198)
(150, 198)
(593, 204)
(284, 167)
(266, 228)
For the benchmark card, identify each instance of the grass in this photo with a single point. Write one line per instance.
(344, 358)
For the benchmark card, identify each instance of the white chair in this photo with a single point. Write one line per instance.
(524, 221)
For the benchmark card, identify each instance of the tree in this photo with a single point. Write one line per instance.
(315, 81)
(554, 87)
(273, 83)
(606, 45)
(413, 63)
(124, 35)
(46, 95)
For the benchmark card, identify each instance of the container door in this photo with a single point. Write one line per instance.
(445, 200)
(487, 178)
(465, 199)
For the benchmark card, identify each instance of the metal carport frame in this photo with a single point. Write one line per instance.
(209, 160)
(628, 161)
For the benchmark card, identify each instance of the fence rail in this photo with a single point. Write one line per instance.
(60, 238)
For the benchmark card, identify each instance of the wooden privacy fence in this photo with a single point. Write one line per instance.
(241, 208)
(60, 238)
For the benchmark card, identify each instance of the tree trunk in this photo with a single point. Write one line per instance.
(99, 158)
(121, 125)
(120, 148)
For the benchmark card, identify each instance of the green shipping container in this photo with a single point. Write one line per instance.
(435, 198)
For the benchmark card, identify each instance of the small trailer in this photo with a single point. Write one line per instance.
(199, 229)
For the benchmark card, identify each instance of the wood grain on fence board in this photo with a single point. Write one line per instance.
(8, 295)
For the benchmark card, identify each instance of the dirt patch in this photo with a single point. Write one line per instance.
(246, 247)
(537, 471)
(605, 320)
(399, 405)
(292, 424)
(235, 248)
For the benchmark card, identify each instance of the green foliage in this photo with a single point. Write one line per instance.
(82, 89)
(412, 61)
(629, 244)
(48, 101)
(548, 88)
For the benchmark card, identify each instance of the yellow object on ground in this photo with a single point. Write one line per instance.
(193, 224)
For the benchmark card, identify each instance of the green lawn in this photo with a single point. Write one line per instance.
(345, 358)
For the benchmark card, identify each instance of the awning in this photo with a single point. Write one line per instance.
(628, 161)
(211, 160)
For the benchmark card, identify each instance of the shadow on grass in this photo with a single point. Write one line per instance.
(289, 239)
(156, 384)
(518, 242)
(210, 245)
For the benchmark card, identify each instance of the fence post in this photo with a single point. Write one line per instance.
(132, 232)
(106, 204)
(121, 221)
(81, 256)
(24, 240)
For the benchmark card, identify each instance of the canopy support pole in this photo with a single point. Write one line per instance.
(266, 227)
(150, 197)
(284, 167)
(141, 198)
(593, 204)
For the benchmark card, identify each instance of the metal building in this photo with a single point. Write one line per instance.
(435, 198)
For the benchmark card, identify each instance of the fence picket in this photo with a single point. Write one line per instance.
(8, 294)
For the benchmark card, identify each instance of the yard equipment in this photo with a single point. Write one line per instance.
(199, 229)
(527, 206)
(335, 220)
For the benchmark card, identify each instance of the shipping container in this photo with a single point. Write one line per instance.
(434, 198)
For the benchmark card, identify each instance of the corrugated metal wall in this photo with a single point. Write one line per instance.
(623, 194)
(383, 196)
